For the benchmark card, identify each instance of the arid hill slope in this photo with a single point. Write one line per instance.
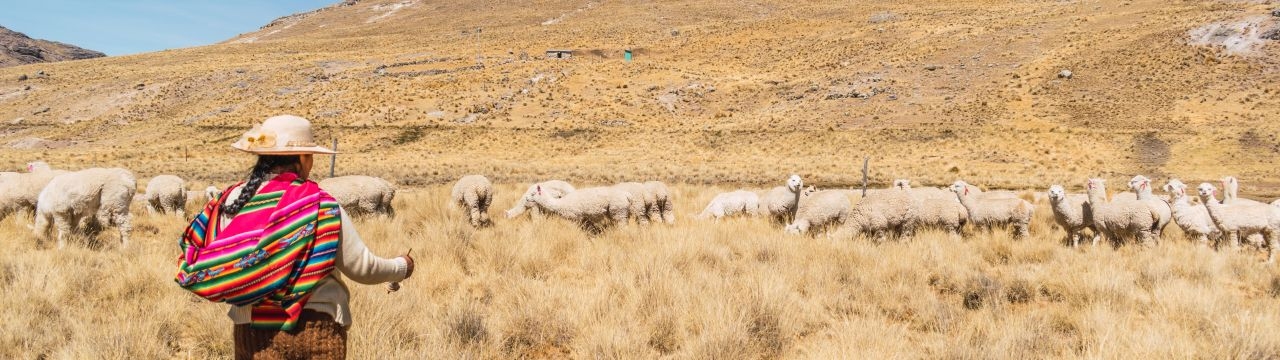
(742, 91)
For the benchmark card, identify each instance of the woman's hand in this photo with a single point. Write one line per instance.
(408, 260)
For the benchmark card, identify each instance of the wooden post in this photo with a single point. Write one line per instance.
(865, 160)
(333, 159)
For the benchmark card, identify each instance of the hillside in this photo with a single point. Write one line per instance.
(18, 49)
(736, 92)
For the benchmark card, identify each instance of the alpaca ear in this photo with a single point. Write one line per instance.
(539, 191)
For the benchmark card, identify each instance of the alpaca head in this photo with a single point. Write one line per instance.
(1230, 186)
(794, 183)
(537, 191)
(902, 184)
(1095, 183)
(1057, 193)
(37, 165)
(809, 191)
(960, 187)
(1140, 183)
(1176, 188)
(1207, 191)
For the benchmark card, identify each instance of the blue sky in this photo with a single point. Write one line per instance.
(121, 27)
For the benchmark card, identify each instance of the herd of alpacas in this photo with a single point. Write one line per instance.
(84, 202)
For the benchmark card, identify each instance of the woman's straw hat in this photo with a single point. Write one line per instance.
(281, 135)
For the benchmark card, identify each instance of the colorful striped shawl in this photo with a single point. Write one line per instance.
(271, 255)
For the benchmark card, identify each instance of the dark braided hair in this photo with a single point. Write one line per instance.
(265, 165)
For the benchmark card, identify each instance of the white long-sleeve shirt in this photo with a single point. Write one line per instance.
(353, 260)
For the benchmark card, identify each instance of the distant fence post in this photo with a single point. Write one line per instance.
(333, 159)
(865, 160)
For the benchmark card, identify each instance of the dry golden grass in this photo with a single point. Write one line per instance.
(737, 289)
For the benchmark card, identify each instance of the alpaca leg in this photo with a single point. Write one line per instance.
(1147, 237)
(639, 212)
(485, 201)
(1271, 240)
(1233, 238)
(471, 202)
(908, 230)
(123, 222)
(619, 216)
(64, 225)
(668, 214)
(42, 226)
(388, 210)
(654, 213)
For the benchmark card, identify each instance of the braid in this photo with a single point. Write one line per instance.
(257, 176)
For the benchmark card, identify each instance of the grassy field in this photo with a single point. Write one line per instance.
(737, 289)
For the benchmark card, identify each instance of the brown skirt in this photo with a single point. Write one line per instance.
(317, 336)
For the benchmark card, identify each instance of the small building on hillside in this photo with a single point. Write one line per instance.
(559, 54)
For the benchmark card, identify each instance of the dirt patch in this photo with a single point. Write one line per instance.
(38, 143)
(1150, 151)
(1251, 141)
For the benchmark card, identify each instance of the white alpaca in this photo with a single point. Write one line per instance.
(1234, 219)
(19, 191)
(880, 214)
(1072, 212)
(212, 193)
(1193, 219)
(361, 195)
(166, 194)
(990, 212)
(1231, 192)
(740, 202)
(935, 208)
(85, 201)
(820, 210)
(553, 188)
(1121, 219)
(780, 203)
(1142, 188)
(473, 194)
(594, 209)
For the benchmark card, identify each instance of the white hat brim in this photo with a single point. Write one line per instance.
(288, 150)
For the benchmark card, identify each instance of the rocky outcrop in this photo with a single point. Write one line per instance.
(18, 49)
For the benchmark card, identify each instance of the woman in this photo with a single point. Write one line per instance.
(269, 246)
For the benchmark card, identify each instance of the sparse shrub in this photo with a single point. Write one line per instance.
(1019, 291)
(981, 291)
(466, 326)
